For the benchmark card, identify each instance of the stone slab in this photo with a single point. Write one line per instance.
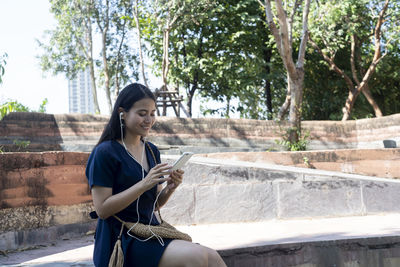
(360, 241)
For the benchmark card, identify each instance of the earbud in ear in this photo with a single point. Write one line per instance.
(120, 115)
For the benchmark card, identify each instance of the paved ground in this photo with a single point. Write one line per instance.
(78, 252)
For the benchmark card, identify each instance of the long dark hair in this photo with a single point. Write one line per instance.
(126, 98)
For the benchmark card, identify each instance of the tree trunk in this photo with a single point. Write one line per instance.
(350, 85)
(296, 98)
(348, 106)
(367, 92)
(106, 71)
(165, 62)
(118, 63)
(89, 41)
(295, 73)
(285, 107)
(190, 96)
(195, 82)
(228, 107)
(371, 69)
(267, 87)
(268, 99)
(371, 101)
(93, 87)
(86, 45)
(135, 14)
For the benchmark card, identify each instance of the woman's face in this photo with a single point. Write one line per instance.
(140, 118)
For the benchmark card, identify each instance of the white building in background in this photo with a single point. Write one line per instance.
(80, 94)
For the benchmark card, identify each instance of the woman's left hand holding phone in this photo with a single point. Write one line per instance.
(153, 177)
(107, 204)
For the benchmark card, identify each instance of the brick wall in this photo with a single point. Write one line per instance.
(43, 189)
(78, 132)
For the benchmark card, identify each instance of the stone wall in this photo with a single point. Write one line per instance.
(43, 189)
(362, 252)
(44, 196)
(227, 191)
(383, 162)
(78, 132)
(48, 191)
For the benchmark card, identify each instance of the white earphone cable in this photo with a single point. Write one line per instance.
(159, 238)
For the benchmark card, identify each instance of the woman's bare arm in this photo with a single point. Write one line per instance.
(107, 204)
(172, 184)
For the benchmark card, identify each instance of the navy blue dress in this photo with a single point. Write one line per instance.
(109, 165)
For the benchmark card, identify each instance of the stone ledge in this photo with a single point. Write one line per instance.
(32, 217)
(376, 251)
(365, 241)
(40, 129)
(45, 236)
(370, 162)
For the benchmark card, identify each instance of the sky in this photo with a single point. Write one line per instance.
(21, 23)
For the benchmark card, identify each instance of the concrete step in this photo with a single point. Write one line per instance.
(347, 241)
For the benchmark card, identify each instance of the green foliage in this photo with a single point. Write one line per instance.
(332, 25)
(121, 64)
(21, 144)
(299, 145)
(3, 62)
(324, 91)
(42, 107)
(224, 53)
(66, 49)
(14, 106)
(385, 84)
(221, 52)
(70, 47)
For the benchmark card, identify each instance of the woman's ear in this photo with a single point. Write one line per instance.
(121, 112)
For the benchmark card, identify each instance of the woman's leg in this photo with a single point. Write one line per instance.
(181, 253)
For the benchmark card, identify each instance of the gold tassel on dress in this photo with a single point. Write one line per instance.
(117, 256)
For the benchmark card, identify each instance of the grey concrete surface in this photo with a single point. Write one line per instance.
(226, 191)
(239, 241)
(222, 191)
(236, 206)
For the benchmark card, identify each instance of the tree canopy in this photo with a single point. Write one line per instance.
(226, 51)
(3, 62)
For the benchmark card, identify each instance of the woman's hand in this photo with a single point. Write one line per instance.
(176, 178)
(153, 177)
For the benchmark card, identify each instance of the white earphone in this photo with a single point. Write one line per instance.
(159, 238)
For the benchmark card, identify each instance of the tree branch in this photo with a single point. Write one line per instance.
(303, 44)
(352, 59)
(286, 46)
(377, 55)
(272, 26)
(378, 31)
(332, 64)
(296, 4)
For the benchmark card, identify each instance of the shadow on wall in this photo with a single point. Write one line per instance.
(80, 132)
(177, 131)
(29, 131)
(42, 179)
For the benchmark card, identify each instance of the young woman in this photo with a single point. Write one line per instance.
(126, 179)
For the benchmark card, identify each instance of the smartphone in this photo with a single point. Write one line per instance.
(180, 163)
